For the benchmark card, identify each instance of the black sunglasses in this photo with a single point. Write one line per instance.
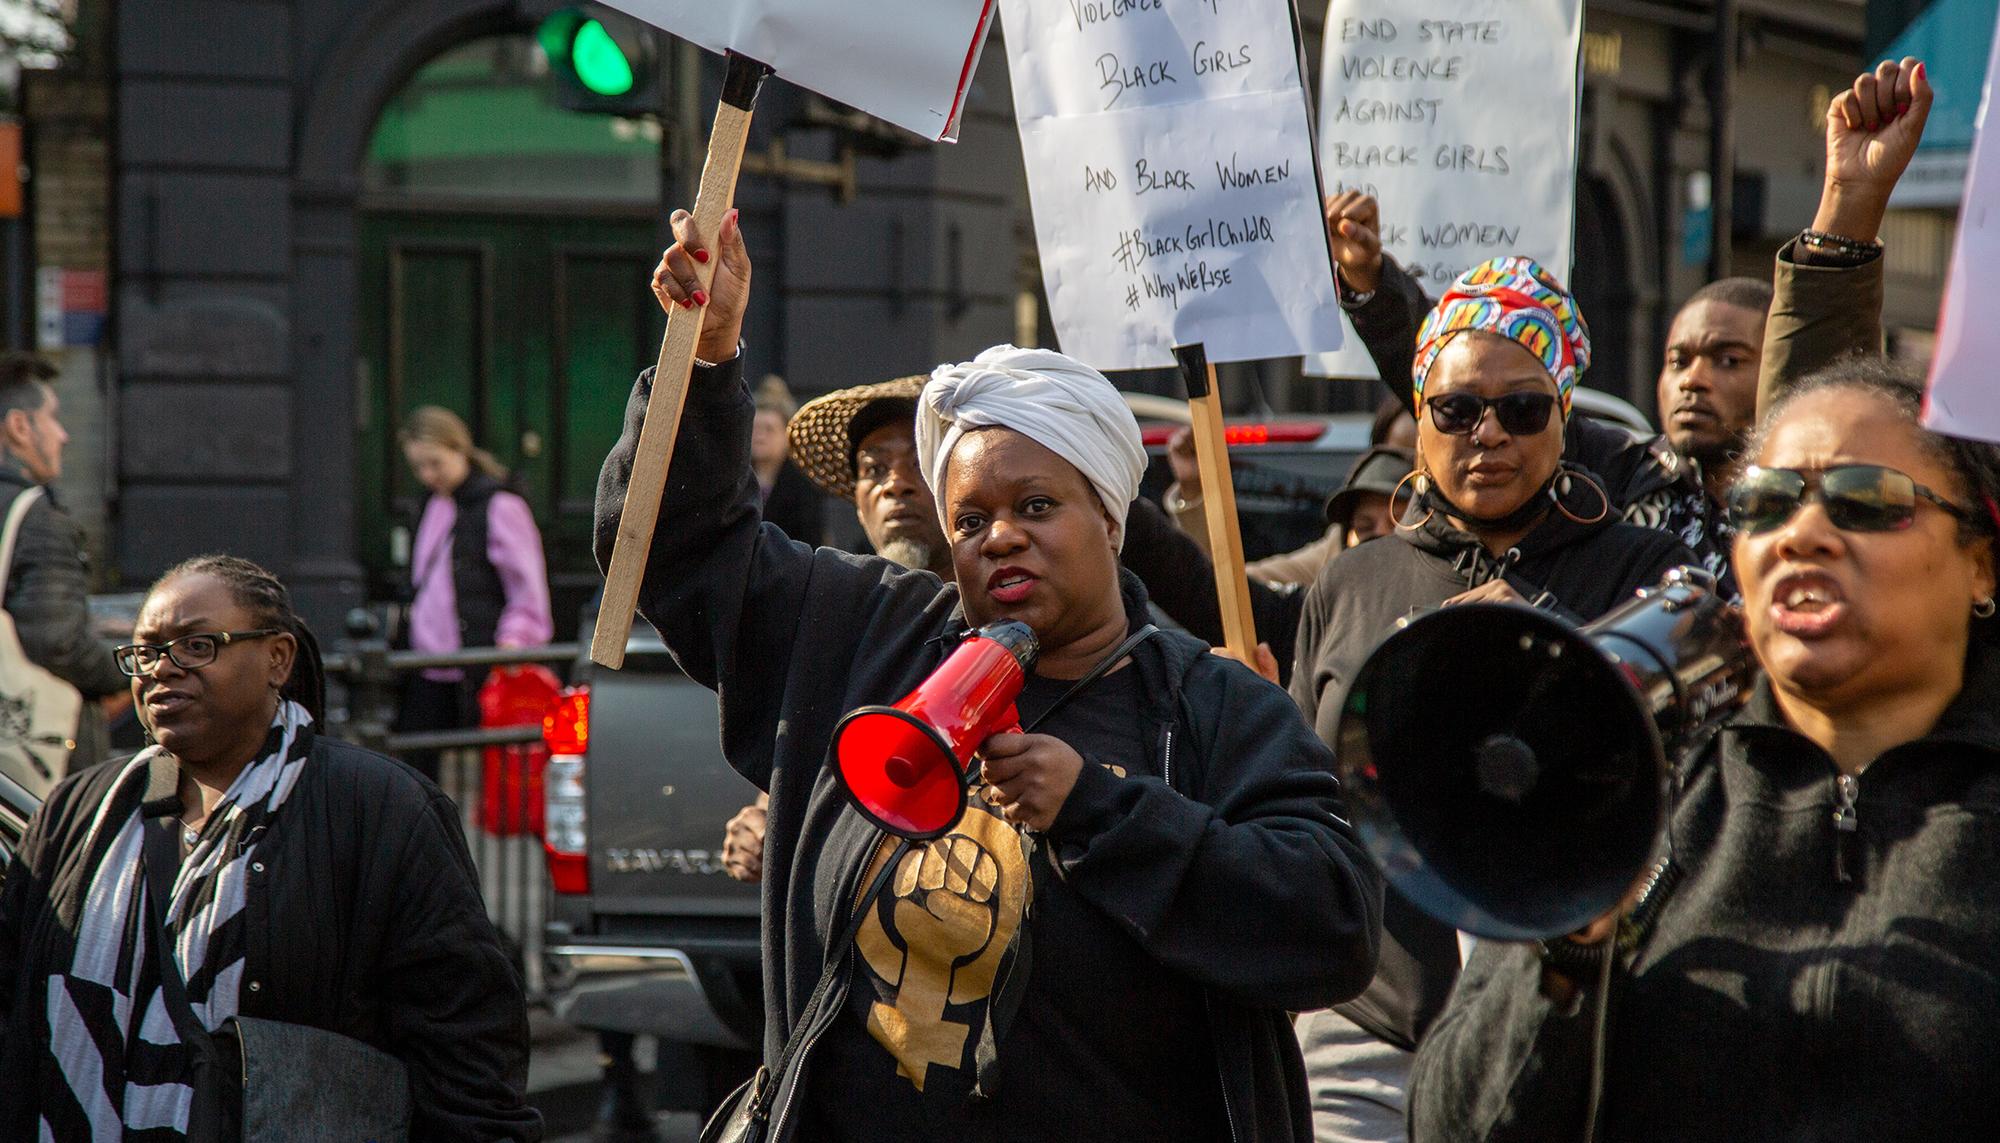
(1520, 414)
(189, 652)
(1858, 498)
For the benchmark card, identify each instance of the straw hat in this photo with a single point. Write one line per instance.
(822, 446)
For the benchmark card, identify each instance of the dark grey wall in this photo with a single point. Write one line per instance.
(241, 127)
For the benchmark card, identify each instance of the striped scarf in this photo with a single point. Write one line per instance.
(109, 1029)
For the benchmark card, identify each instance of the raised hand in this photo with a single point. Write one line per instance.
(1872, 131)
(1353, 232)
(677, 282)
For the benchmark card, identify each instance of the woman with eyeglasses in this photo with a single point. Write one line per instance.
(305, 881)
(1821, 959)
(1497, 516)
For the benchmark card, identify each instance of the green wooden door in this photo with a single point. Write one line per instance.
(531, 328)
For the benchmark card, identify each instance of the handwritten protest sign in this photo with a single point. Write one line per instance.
(1461, 117)
(906, 61)
(1171, 171)
(1964, 394)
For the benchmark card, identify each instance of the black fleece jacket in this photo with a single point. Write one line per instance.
(1771, 1000)
(1588, 568)
(1239, 874)
(363, 918)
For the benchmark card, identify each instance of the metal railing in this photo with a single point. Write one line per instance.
(493, 796)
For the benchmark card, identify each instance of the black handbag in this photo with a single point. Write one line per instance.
(744, 1116)
(266, 1081)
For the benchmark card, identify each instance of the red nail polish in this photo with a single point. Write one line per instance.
(687, 303)
(1920, 71)
(701, 256)
(735, 216)
(701, 297)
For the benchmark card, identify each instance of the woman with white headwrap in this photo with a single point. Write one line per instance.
(1107, 943)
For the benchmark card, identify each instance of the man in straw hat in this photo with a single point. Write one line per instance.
(857, 444)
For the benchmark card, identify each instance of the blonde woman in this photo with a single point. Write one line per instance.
(477, 576)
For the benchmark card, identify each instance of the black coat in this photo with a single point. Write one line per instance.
(366, 920)
(797, 507)
(1589, 568)
(1771, 1000)
(1239, 873)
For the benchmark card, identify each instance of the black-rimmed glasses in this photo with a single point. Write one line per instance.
(189, 652)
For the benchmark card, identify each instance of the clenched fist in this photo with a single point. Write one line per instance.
(743, 841)
(1031, 775)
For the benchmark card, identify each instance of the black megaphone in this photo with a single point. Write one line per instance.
(1508, 770)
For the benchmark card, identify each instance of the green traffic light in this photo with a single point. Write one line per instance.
(600, 63)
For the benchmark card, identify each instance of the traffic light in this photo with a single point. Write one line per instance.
(603, 61)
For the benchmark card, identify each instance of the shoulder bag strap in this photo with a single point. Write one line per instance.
(836, 958)
(15, 514)
(1104, 665)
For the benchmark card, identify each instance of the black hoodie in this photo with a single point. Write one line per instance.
(1233, 868)
(1588, 568)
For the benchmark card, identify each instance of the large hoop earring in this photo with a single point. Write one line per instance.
(1423, 485)
(1562, 487)
(1985, 608)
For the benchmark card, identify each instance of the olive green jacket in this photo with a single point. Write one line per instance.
(1819, 315)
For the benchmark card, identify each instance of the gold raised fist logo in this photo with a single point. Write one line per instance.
(955, 905)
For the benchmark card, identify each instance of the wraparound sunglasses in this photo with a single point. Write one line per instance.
(1858, 498)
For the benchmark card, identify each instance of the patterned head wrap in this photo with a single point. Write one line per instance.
(1517, 299)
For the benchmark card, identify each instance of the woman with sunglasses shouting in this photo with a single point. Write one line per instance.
(246, 881)
(1820, 957)
(1496, 517)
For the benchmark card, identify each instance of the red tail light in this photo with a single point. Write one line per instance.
(565, 790)
(566, 728)
(569, 873)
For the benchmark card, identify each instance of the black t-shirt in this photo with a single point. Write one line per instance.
(1106, 1042)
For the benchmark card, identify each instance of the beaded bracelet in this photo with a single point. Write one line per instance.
(1820, 242)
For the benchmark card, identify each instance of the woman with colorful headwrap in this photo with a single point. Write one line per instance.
(1106, 945)
(1496, 517)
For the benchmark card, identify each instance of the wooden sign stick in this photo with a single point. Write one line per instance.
(1218, 499)
(670, 376)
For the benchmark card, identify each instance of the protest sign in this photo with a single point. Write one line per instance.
(906, 61)
(1170, 167)
(1460, 116)
(1964, 398)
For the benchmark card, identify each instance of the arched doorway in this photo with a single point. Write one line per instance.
(502, 246)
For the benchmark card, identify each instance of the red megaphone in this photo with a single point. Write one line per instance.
(906, 767)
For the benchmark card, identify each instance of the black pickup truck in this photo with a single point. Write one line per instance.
(646, 933)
